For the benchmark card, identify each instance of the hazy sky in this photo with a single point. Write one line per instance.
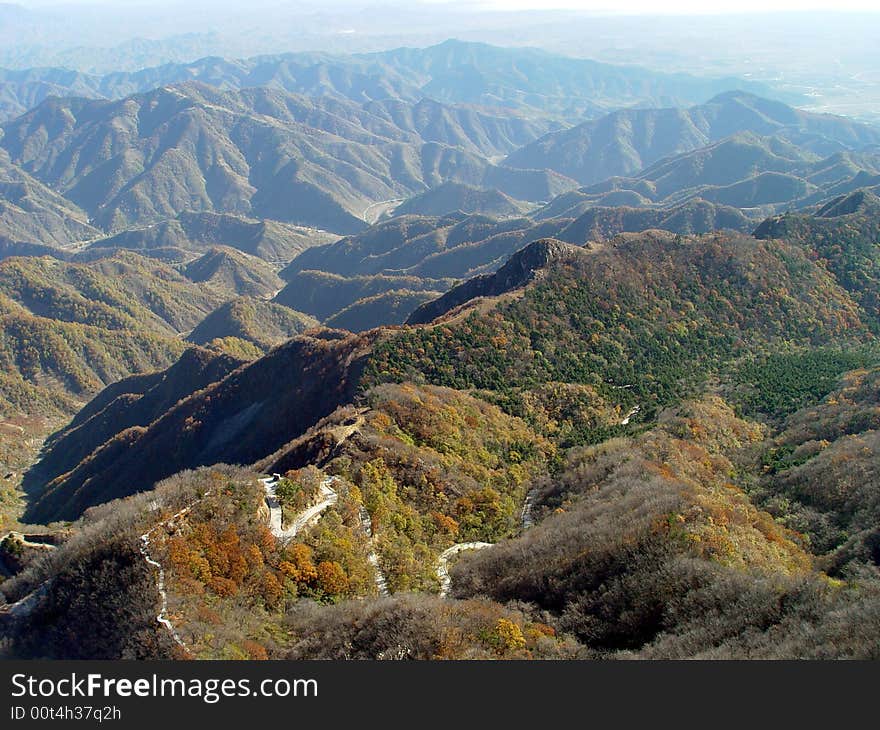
(697, 7)
(700, 7)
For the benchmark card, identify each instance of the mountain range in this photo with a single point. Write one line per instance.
(630, 140)
(454, 72)
(609, 334)
(261, 152)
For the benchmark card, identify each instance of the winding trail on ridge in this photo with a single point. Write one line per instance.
(310, 515)
(527, 520)
(24, 606)
(328, 497)
(373, 556)
(443, 562)
(162, 617)
(270, 483)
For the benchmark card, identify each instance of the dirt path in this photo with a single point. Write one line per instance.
(527, 517)
(443, 562)
(373, 556)
(162, 616)
(328, 497)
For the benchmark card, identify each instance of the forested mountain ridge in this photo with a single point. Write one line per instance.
(192, 233)
(667, 533)
(517, 272)
(239, 418)
(452, 197)
(134, 401)
(620, 295)
(844, 234)
(261, 323)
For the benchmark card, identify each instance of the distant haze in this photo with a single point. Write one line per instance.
(826, 54)
(648, 7)
(695, 7)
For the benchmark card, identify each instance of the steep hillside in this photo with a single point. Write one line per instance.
(50, 366)
(652, 539)
(388, 308)
(639, 320)
(239, 419)
(68, 329)
(264, 324)
(845, 235)
(257, 152)
(454, 246)
(519, 270)
(624, 503)
(642, 547)
(625, 142)
(134, 401)
(820, 474)
(733, 296)
(322, 294)
(31, 212)
(122, 291)
(17, 248)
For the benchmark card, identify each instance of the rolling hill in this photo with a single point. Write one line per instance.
(232, 271)
(385, 309)
(32, 213)
(264, 324)
(598, 223)
(844, 235)
(451, 197)
(322, 294)
(67, 329)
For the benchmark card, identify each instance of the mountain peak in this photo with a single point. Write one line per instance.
(520, 269)
(849, 204)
